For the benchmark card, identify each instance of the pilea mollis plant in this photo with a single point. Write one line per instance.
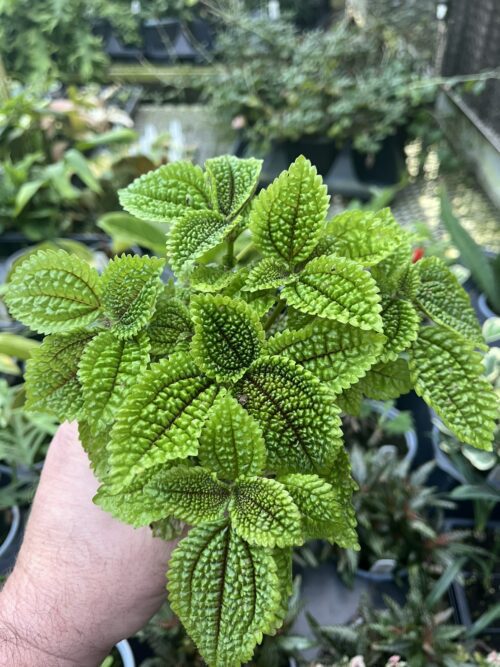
(214, 400)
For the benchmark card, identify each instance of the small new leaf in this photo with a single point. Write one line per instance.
(298, 418)
(54, 291)
(448, 374)
(264, 514)
(169, 326)
(269, 273)
(401, 323)
(161, 418)
(336, 353)
(287, 217)
(338, 289)
(211, 279)
(442, 299)
(165, 193)
(225, 591)
(52, 383)
(108, 367)
(192, 495)
(194, 234)
(228, 336)
(365, 236)
(130, 286)
(231, 442)
(233, 182)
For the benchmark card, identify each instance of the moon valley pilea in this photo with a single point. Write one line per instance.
(214, 400)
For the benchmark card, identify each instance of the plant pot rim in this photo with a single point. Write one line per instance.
(126, 654)
(484, 307)
(443, 461)
(410, 436)
(15, 526)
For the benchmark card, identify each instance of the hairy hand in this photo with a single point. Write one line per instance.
(82, 581)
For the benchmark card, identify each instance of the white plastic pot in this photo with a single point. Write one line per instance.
(126, 654)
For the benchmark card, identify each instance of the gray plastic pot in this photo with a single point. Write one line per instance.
(9, 546)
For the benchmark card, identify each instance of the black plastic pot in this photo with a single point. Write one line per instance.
(170, 40)
(385, 167)
(113, 43)
(11, 517)
(321, 152)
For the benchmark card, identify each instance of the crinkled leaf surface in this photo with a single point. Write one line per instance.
(193, 235)
(283, 560)
(231, 442)
(391, 273)
(130, 286)
(191, 494)
(169, 326)
(386, 381)
(269, 273)
(228, 335)
(287, 217)
(448, 374)
(161, 418)
(225, 591)
(334, 352)
(108, 367)
(322, 513)
(401, 324)
(52, 383)
(211, 279)
(54, 291)
(338, 289)
(164, 194)
(296, 413)
(442, 298)
(264, 514)
(233, 182)
(94, 443)
(365, 236)
(350, 400)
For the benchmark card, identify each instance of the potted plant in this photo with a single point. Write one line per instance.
(213, 421)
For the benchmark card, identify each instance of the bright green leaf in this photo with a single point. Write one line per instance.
(228, 335)
(225, 591)
(334, 352)
(231, 442)
(161, 418)
(169, 326)
(386, 381)
(338, 289)
(233, 182)
(401, 323)
(269, 273)
(54, 291)
(130, 286)
(127, 231)
(448, 375)
(287, 217)
(211, 279)
(164, 194)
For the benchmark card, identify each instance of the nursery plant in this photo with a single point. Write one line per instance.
(194, 412)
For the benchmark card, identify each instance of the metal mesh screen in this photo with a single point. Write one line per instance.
(472, 46)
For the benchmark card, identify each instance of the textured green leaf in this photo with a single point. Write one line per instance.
(269, 273)
(53, 291)
(334, 352)
(108, 367)
(225, 591)
(322, 513)
(211, 279)
(295, 411)
(130, 286)
(228, 335)
(263, 513)
(169, 326)
(233, 182)
(448, 375)
(190, 494)
(386, 381)
(392, 273)
(161, 418)
(131, 504)
(442, 299)
(163, 194)
(231, 442)
(401, 323)
(350, 400)
(193, 234)
(365, 236)
(287, 217)
(343, 484)
(52, 383)
(283, 560)
(338, 289)
(94, 443)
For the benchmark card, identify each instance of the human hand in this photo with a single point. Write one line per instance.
(83, 580)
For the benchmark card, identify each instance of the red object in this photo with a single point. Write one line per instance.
(418, 253)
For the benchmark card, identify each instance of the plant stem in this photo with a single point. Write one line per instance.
(275, 313)
(230, 251)
(245, 251)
